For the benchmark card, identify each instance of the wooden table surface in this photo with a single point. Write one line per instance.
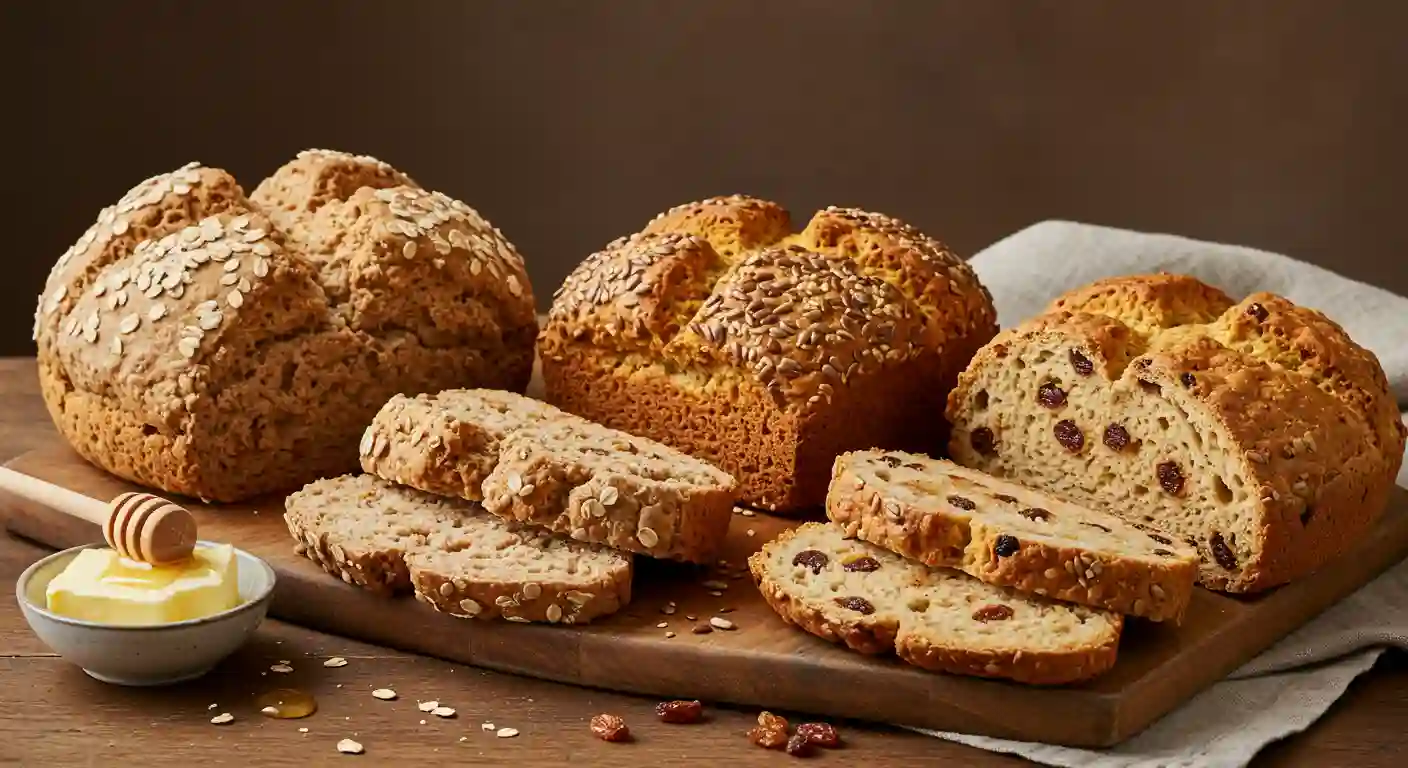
(54, 715)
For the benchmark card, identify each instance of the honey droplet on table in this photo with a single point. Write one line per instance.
(286, 704)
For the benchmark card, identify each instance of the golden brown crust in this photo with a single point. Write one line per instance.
(188, 344)
(1304, 412)
(775, 354)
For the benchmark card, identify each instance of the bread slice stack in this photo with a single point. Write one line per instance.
(488, 504)
(958, 571)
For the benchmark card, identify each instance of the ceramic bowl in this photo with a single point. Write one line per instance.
(145, 655)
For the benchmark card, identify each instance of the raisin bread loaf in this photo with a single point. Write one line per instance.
(999, 532)
(208, 344)
(452, 554)
(530, 462)
(874, 602)
(1257, 431)
(716, 331)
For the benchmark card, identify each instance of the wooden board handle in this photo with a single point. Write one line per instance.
(54, 497)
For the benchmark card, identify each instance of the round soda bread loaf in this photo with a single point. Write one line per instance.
(530, 462)
(452, 554)
(875, 602)
(1257, 431)
(941, 514)
(719, 332)
(212, 345)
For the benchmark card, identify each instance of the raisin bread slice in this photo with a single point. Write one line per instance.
(1002, 533)
(1257, 431)
(874, 601)
(452, 554)
(529, 462)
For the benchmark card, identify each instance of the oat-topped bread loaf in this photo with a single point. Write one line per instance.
(530, 462)
(1257, 431)
(941, 514)
(718, 331)
(212, 345)
(452, 554)
(874, 601)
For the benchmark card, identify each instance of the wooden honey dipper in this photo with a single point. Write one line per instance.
(138, 526)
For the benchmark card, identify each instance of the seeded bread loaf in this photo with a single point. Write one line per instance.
(452, 554)
(1257, 431)
(875, 602)
(217, 346)
(717, 332)
(941, 514)
(530, 462)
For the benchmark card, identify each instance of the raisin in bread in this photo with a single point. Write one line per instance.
(530, 462)
(716, 331)
(452, 554)
(1257, 431)
(1002, 533)
(214, 345)
(874, 601)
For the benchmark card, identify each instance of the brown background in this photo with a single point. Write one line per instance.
(1276, 124)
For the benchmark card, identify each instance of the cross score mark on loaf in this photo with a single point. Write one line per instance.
(757, 343)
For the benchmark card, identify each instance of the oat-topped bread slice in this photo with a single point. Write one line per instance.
(1002, 533)
(874, 601)
(452, 554)
(530, 462)
(1257, 431)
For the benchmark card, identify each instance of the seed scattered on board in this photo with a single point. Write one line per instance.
(223, 718)
(336, 661)
(282, 669)
(506, 733)
(427, 706)
(385, 694)
(349, 747)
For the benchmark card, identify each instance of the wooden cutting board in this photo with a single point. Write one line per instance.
(764, 662)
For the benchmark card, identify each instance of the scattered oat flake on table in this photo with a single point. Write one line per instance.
(336, 661)
(506, 733)
(487, 726)
(385, 694)
(662, 625)
(750, 531)
(721, 623)
(349, 747)
(443, 712)
(426, 706)
(713, 584)
(302, 730)
(222, 718)
(212, 706)
(282, 669)
(269, 711)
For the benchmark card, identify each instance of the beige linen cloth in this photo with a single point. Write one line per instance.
(1285, 689)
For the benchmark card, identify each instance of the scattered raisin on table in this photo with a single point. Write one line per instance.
(798, 746)
(1069, 435)
(992, 613)
(768, 738)
(1006, 545)
(811, 558)
(1050, 395)
(1222, 553)
(610, 728)
(823, 735)
(679, 712)
(962, 503)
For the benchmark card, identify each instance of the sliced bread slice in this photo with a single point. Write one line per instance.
(452, 554)
(532, 463)
(874, 601)
(942, 514)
